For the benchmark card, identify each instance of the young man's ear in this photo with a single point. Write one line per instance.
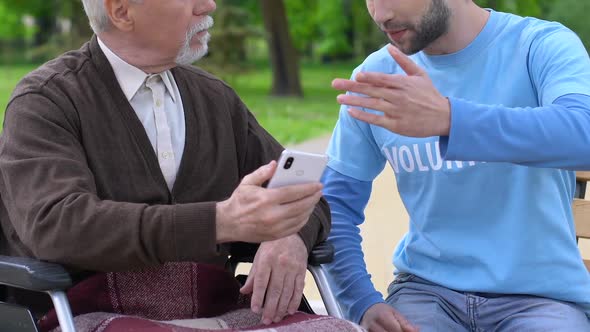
(120, 15)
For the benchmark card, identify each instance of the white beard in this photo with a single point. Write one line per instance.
(187, 55)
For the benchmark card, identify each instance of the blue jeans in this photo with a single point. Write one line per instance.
(435, 308)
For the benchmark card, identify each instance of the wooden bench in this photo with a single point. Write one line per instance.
(581, 209)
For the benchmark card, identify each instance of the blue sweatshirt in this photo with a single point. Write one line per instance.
(489, 205)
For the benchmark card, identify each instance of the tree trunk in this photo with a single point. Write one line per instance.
(46, 26)
(283, 56)
(80, 26)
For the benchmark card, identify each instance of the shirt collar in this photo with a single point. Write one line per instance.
(167, 79)
(131, 78)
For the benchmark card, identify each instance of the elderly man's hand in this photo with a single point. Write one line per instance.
(256, 214)
(382, 317)
(411, 104)
(277, 278)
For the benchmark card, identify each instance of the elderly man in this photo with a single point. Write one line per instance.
(482, 124)
(129, 166)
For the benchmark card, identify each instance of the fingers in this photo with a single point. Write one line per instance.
(371, 84)
(274, 290)
(291, 217)
(291, 225)
(294, 193)
(389, 323)
(279, 278)
(256, 214)
(382, 317)
(286, 296)
(375, 119)
(248, 286)
(406, 326)
(378, 104)
(283, 294)
(350, 85)
(386, 81)
(260, 285)
(404, 61)
(261, 175)
(299, 208)
(297, 294)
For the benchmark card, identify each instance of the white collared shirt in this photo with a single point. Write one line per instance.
(132, 79)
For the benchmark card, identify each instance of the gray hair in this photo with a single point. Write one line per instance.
(97, 14)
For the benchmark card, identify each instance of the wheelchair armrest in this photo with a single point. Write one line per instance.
(32, 274)
(320, 254)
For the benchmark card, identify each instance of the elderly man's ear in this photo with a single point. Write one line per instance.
(121, 14)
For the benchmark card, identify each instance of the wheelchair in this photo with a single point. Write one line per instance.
(52, 279)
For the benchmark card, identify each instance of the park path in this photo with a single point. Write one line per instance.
(386, 222)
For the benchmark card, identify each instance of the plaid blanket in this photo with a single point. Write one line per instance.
(166, 299)
(238, 320)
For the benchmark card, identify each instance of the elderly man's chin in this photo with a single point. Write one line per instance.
(190, 54)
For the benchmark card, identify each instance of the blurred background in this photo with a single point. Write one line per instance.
(280, 55)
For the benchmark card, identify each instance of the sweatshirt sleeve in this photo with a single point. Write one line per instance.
(554, 133)
(348, 274)
(49, 193)
(553, 136)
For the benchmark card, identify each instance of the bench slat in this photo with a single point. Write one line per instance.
(581, 210)
(583, 176)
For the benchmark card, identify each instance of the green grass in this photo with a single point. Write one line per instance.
(292, 120)
(289, 120)
(10, 75)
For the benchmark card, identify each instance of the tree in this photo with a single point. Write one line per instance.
(283, 55)
(335, 26)
(45, 38)
(43, 11)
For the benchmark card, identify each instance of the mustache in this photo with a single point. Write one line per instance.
(205, 24)
(395, 26)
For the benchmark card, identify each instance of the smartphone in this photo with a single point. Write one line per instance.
(296, 167)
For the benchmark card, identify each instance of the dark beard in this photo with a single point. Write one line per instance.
(432, 26)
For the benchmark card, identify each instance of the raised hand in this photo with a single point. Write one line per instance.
(411, 104)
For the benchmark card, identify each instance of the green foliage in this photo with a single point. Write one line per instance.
(293, 120)
(31, 7)
(12, 26)
(44, 39)
(367, 36)
(335, 18)
(233, 29)
(574, 15)
(303, 25)
(536, 8)
(290, 120)
(335, 29)
(12, 12)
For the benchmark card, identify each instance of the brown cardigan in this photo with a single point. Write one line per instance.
(80, 182)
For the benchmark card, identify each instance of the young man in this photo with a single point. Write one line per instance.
(129, 166)
(483, 117)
